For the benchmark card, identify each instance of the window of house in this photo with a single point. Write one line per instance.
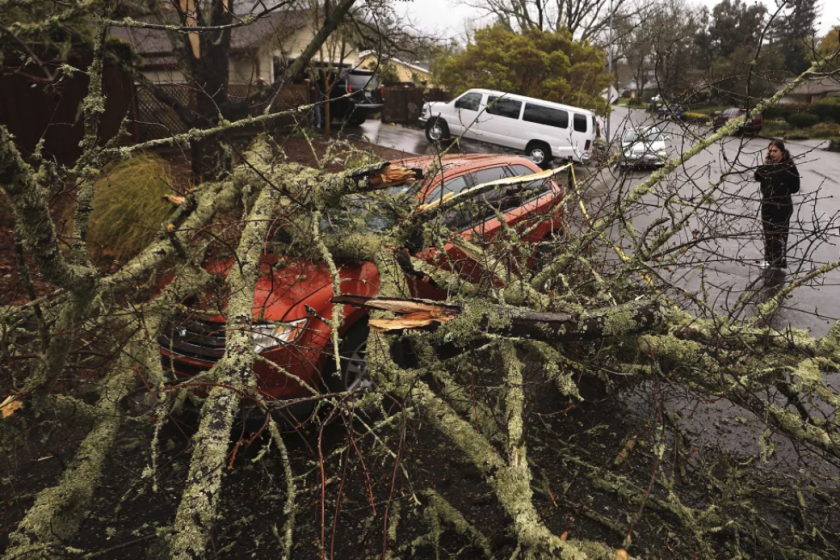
(504, 107)
(546, 115)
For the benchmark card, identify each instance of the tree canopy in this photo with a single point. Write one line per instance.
(544, 64)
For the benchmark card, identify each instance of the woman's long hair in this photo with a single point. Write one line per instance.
(786, 157)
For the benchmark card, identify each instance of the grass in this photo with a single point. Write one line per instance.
(128, 207)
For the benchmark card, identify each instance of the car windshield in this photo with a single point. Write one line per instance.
(648, 136)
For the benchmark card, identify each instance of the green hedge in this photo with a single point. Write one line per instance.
(803, 120)
(828, 109)
(783, 111)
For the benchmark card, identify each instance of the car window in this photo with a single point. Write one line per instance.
(470, 101)
(481, 207)
(504, 107)
(362, 81)
(533, 188)
(454, 185)
(580, 123)
(546, 115)
(487, 175)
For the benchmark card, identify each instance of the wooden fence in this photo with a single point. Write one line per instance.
(33, 110)
(157, 120)
(404, 104)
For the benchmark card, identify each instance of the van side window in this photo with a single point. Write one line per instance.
(580, 123)
(470, 102)
(503, 107)
(546, 115)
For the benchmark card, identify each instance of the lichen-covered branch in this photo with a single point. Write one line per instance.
(197, 510)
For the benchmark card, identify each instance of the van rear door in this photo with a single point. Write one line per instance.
(583, 135)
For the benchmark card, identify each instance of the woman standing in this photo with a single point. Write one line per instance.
(779, 180)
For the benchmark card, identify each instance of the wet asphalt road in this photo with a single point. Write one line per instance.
(730, 261)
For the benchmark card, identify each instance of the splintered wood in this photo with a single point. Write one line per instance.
(414, 314)
(393, 175)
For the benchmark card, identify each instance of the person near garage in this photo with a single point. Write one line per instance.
(779, 180)
(316, 98)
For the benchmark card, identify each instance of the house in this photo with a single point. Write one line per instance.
(258, 51)
(812, 91)
(402, 71)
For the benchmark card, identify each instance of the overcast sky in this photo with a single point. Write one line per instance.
(449, 17)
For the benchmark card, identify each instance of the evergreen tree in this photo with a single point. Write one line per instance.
(793, 33)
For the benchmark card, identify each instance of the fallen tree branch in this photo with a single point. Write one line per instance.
(625, 319)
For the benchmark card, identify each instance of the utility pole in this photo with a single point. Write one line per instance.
(609, 90)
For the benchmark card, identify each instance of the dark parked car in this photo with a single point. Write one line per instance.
(672, 111)
(366, 96)
(750, 127)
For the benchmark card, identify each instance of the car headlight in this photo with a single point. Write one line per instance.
(662, 154)
(271, 335)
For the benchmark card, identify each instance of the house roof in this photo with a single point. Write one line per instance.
(823, 86)
(413, 65)
(154, 44)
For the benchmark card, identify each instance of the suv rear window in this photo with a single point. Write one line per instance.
(362, 81)
(546, 115)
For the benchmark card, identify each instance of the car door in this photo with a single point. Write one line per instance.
(465, 121)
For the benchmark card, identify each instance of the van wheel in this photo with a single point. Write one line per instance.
(354, 368)
(540, 153)
(437, 131)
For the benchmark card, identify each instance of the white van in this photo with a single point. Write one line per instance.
(544, 130)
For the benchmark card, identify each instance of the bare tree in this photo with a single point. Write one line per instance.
(476, 436)
(585, 19)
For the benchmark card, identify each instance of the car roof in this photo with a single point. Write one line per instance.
(526, 99)
(464, 162)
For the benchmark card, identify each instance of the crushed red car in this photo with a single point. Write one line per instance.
(292, 299)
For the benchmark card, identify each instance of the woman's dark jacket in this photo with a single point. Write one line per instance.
(778, 182)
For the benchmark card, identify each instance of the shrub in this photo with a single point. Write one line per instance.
(128, 208)
(783, 111)
(825, 130)
(696, 117)
(803, 120)
(828, 109)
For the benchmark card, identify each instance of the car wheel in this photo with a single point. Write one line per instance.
(354, 372)
(540, 153)
(437, 131)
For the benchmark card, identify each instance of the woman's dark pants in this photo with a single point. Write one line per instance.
(776, 221)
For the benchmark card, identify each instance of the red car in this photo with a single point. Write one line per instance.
(752, 126)
(292, 299)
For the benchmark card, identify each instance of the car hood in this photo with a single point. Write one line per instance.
(286, 287)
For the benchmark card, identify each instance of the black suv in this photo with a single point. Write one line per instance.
(366, 96)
